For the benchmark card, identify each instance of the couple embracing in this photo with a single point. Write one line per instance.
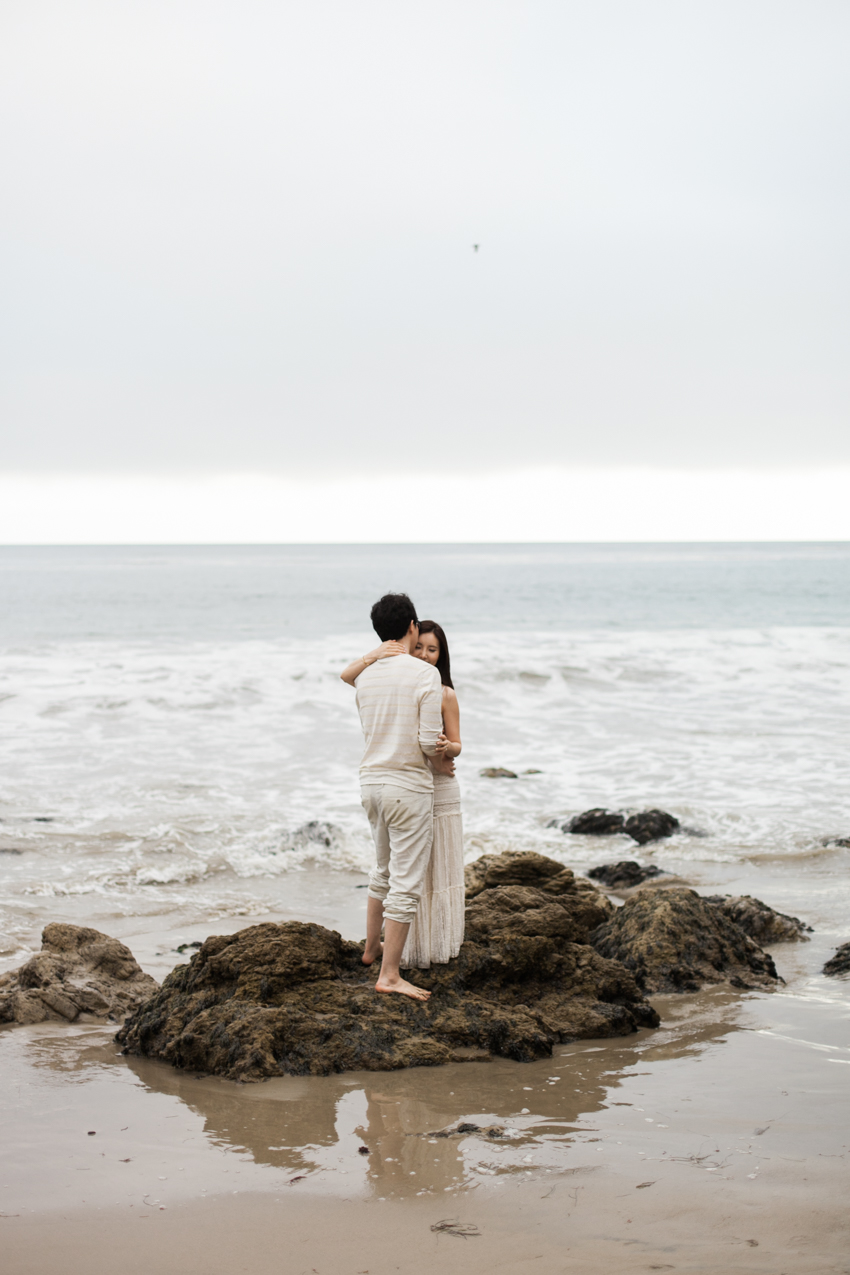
(411, 724)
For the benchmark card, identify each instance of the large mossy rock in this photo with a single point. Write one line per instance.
(296, 999)
(77, 972)
(762, 922)
(511, 910)
(522, 892)
(674, 941)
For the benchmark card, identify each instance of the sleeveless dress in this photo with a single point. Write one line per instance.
(437, 930)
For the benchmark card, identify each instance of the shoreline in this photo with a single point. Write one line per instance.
(717, 1142)
(186, 1174)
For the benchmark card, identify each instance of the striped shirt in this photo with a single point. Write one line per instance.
(400, 702)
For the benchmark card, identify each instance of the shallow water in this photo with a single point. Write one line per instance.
(728, 1085)
(173, 722)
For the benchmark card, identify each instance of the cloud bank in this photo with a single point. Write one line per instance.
(238, 237)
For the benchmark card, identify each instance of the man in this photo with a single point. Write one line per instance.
(399, 700)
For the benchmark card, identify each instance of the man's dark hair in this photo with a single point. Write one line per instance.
(391, 616)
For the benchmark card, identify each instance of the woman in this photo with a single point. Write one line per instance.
(437, 930)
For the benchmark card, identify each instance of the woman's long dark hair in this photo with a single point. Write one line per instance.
(444, 663)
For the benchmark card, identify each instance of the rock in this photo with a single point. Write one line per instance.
(78, 971)
(296, 999)
(518, 867)
(650, 825)
(761, 922)
(510, 910)
(596, 823)
(624, 874)
(841, 843)
(585, 906)
(674, 941)
(497, 772)
(840, 963)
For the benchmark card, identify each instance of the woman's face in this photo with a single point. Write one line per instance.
(427, 648)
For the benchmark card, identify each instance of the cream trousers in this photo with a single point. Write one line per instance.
(402, 825)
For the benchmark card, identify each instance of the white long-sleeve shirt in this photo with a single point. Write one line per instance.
(400, 702)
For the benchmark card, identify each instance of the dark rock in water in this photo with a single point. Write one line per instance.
(650, 825)
(841, 843)
(624, 874)
(761, 922)
(840, 963)
(674, 941)
(77, 971)
(297, 999)
(596, 823)
(497, 772)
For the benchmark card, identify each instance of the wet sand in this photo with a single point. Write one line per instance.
(717, 1143)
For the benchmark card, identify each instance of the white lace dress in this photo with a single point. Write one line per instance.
(437, 930)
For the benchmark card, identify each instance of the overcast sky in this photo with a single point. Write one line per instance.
(237, 235)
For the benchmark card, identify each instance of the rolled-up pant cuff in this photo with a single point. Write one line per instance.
(401, 908)
(397, 907)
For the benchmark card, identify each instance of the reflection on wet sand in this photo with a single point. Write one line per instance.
(395, 1133)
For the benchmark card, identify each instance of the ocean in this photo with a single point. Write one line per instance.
(177, 748)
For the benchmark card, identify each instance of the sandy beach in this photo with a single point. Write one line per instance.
(424, 566)
(161, 790)
(718, 1142)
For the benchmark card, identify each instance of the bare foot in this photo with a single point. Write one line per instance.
(400, 985)
(369, 958)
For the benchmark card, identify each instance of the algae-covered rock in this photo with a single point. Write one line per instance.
(674, 941)
(650, 825)
(761, 922)
(517, 867)
(840, 963)
(516, 909)
(624, 874)
(296, 999)
(597, 822)
(527, 867)
(643, 826)
(522, 892)
(78, 971)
